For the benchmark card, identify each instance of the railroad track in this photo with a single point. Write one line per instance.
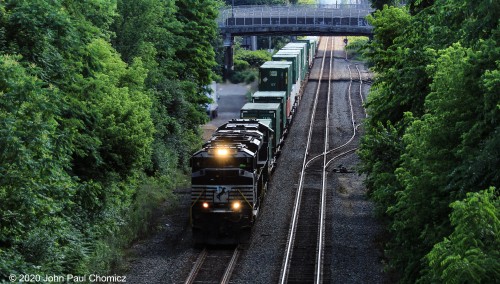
(357, 115)
(302, 262)
(306, 251)
(213, 266)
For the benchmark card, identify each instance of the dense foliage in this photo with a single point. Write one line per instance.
(355, 45)
(433, 136)
(99, 111)
(471, 253)
(247, 63)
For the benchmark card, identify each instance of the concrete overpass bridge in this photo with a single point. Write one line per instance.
(321, 20)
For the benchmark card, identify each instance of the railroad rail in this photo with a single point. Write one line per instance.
(297, 264)
(213, 266)
(349, 146)
(304, 251)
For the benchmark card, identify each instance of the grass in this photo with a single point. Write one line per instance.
(153, 198)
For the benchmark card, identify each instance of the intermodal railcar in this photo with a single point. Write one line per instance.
(231, 172)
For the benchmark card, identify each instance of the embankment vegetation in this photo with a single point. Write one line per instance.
(100, 107)
(431, 148)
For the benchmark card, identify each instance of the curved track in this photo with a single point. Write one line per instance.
(305, 250)
(357, 115)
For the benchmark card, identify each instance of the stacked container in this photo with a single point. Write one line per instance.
(265, 111)
(292, 95)
(295, 59)
(277, 76)
(298, 53)
(274, 97)
(311, 48)
(269, 124)
(302, 46)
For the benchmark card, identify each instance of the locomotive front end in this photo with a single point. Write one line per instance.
(223, 194)
(228, 180)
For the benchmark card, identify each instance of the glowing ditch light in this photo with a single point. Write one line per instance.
(236, 205)
(205, 205)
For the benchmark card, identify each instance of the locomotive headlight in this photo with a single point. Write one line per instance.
(205, 205)
(222, 152)
(236, 205)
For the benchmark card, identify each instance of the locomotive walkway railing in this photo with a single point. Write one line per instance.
(311, 19)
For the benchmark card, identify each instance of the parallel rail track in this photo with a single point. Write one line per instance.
(305, 251)
(213, 266)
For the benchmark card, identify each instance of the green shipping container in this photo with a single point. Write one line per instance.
(265, 111)
(295, 52)
(308, 48)
(311, 48)
(303, 48)
(303, 64)
(276, 76)
(303, 45)
(291, 95)
(314, 43)
(273, 97)
(295, 63)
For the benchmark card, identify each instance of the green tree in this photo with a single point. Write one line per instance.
(35, 189)
(78, 131)
(384, 143)
(379, 4)
(121, 128)
(471, 252)
(177, 102)
(197, 59)
(254, 58)
(436, 97)
(199, 27)
(399, 62)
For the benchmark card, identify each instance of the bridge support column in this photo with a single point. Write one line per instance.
(228, 55)
(254, 43)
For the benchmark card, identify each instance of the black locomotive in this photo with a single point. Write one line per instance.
(230, 173)
(229, 179)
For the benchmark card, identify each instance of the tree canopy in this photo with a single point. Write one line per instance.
(433, 133)
(95, 106)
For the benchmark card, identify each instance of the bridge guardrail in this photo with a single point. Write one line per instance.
(295, 15)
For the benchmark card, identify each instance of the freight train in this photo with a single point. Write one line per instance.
(230, 174)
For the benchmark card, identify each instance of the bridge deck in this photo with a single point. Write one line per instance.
(348, 19)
